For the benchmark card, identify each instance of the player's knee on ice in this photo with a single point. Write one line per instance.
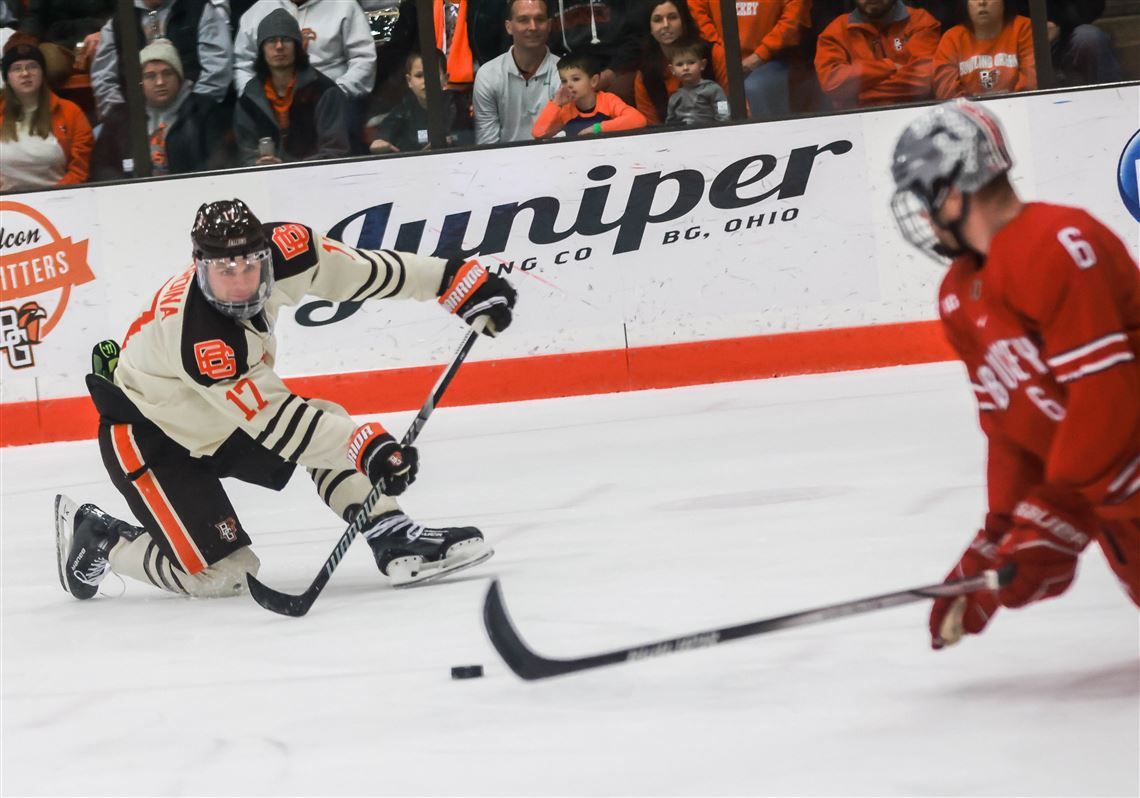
(224, 578)
(140, 559)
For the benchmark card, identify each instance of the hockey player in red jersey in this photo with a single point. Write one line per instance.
(194, 398)
(1042, 304)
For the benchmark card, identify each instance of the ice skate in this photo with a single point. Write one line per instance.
(409, 554)
(84, 537)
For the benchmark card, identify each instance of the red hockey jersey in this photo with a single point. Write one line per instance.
(1049, 329)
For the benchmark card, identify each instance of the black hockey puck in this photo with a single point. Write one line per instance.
(466, 671)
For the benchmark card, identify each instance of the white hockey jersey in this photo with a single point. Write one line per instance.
(202, 376)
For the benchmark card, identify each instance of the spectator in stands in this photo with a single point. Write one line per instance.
(405, 128)
(289, 101)
(697, 100)
(46, 140)
(579, 108)
(607, 32)
(337, 38)
(1081, 53)
(185, 130)
(485, 35)
(68, 31)
(339, 45)
(769, 30)
(670, 25)
(200, 32)
(992, 53)
(880, 53)
(513, 88)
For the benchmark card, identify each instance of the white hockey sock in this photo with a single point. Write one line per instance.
(342, 489)
(141, 559)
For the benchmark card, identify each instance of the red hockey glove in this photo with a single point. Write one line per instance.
(377, 455)
(470, 291)
(1044, 545)
(950, 618)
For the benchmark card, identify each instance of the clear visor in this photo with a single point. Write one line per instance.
(913, 217)
(237, 285)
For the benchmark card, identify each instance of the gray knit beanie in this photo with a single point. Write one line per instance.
(278, 22)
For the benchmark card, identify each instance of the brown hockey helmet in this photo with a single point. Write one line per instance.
(226, 227)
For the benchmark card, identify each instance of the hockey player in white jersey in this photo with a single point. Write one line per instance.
(194, 398)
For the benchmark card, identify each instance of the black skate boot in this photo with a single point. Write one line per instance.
(408, 553)
(84, 537)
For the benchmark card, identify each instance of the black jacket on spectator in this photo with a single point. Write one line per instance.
(194, 142)
(1067, 14)
(616, 22)
(64, 21)
(318, 120)
(237, 8)
(406, 125)
(181, 29)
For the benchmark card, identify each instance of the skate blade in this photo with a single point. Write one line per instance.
(64, 524)
(432, 571)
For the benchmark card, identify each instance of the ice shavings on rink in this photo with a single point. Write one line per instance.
(616, 519)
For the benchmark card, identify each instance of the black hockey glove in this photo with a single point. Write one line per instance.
(470, 291)
(386, 463)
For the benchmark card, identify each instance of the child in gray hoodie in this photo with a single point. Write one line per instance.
(698, 101)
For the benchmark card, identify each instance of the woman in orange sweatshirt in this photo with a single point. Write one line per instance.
(992, 53)
(46, 140)
(768, 30)
(670, 23)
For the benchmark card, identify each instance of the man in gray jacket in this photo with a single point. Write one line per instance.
(288, 101)
(199, 31)
(511, 90)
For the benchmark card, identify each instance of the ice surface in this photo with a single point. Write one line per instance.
(617, 519)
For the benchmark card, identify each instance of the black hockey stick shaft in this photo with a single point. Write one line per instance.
(298, 605)
(529, 665)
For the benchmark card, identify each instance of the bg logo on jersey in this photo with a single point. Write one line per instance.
(1128, 176)
(38, 268)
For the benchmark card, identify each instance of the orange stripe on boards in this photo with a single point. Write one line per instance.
(550, 376)
(48, 420)
(154, 497)
(844, 349)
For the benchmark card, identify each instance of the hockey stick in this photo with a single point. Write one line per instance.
(529, 665)
(298, 605)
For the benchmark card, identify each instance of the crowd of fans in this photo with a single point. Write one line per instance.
(258, 82)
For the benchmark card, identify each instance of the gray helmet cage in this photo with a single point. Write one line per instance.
(247, 308)
(957, 145)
